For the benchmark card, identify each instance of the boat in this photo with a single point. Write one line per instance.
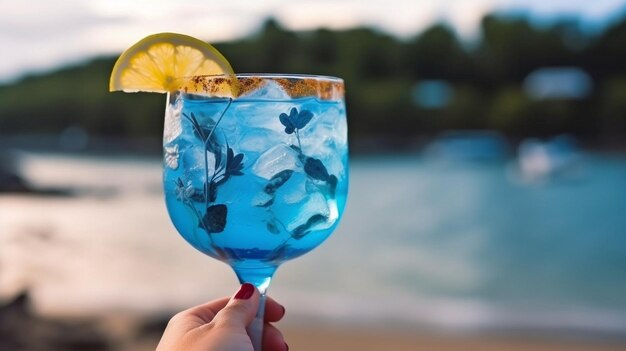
(541, 161)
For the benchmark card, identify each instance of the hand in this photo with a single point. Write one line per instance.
(220, 325)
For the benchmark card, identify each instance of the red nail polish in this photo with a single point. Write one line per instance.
(245, 292)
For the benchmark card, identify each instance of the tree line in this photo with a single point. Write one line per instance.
(381, 72)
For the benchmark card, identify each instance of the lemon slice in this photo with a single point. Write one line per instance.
(166, 62)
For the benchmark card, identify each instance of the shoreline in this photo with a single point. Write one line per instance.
(151, 146)
(376, 339)
(141, 331)
(23, 329)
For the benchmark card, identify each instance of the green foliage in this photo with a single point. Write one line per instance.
(612, 109)
(509, 110)
(380, 72)
(511, 49)
(78, 96)
(436, 54)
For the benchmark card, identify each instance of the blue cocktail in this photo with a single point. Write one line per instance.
(258, 179)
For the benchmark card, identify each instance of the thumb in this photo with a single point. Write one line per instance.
(240, 310)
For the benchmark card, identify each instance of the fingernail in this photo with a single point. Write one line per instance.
(286, 347)
(245, 292)
(283, 307)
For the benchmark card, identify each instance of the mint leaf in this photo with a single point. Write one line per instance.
(289, 121)
(277, 181)
(315, 169)
(300, 231)
(214, 220)
(234, 163)
(272, 227)
(211, 191)
(295, 120)
(303, 118)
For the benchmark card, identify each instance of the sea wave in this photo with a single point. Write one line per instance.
(455, 315)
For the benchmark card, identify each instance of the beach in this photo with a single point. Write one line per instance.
(131, 332)
(397, 274)
(377, 340)
(340, 339)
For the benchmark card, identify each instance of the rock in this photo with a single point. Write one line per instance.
(10, 180)
(21, 329)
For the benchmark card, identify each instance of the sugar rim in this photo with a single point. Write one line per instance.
(295, 85)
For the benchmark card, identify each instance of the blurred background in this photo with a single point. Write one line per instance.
(487, 205)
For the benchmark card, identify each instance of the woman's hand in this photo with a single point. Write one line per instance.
(220, 325)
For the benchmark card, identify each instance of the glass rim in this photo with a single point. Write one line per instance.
(303, 76)
(241, 84)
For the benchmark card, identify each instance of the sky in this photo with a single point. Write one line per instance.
(39, 35)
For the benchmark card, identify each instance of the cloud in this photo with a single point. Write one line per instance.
(42, 34)
(56, 34)
(401, 17)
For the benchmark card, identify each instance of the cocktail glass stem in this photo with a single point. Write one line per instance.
(261, 278)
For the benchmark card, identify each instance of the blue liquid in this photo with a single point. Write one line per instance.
(249, 187)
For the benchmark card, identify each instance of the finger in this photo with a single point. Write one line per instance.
(240, 309)
(273, 310)
(196, 316)
(273, 339)
(207, 311)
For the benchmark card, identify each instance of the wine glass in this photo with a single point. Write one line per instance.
(258, 179)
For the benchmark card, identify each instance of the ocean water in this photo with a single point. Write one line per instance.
(461, 246)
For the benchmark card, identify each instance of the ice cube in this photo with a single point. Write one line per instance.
(195, 165)
(269, 90)
(263, 199)
(326, 141)
(258, 140)
(313, 214)
(294, 190)
(279, 158)
(171, 156)
(173, 126)
(324, 135)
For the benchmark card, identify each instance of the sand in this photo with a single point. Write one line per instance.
(336, 339)
(326, 339)
(21, 328)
